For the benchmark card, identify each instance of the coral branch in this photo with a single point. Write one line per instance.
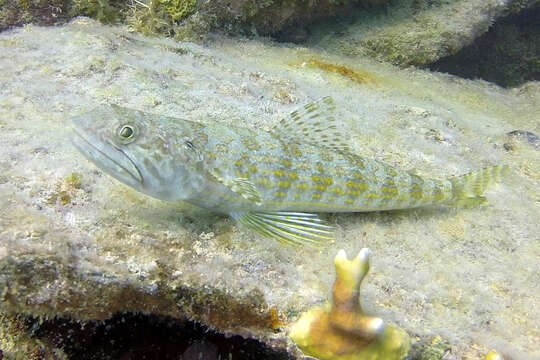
(342, 331)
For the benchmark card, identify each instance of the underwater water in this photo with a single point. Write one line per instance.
(188, 180)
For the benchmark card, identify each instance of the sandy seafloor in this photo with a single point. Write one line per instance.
(469, 275)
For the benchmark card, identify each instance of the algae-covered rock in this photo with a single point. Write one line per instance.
(184, 18)
(188, 19)
(507, 55)
(415, 32)
(404, 32)
(44, 12)
(76, 244)
(17, 343)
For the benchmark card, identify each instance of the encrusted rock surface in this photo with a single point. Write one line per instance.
(507, 55)
(402, 32)
(414, 32)
(184, 18)
(76, 243)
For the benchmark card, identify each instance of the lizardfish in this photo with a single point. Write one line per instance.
(272, 181)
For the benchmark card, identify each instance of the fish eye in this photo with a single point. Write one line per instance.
(189, 145)
(127, 133)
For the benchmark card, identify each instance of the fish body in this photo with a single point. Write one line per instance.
(271, 181)
(303, 177)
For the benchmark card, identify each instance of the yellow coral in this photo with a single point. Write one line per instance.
(342, 331)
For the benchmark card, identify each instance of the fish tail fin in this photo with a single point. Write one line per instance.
(469, 189)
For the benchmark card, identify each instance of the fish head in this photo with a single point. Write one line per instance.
(150, 153)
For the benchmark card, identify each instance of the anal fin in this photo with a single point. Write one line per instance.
(293, 228)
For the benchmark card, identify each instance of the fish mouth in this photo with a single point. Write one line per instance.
(108, 157)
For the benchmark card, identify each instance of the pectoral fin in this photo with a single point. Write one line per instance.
(288, 227)
(240, 186)
(246, 189)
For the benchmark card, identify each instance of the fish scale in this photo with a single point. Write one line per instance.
(271, 181)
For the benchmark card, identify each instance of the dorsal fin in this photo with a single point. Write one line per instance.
(314, 124)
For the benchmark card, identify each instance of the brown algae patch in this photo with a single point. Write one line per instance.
(357, 76)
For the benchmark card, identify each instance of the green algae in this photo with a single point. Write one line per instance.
(74, 180)
(160, 16)
(178, 9)
(105, 11)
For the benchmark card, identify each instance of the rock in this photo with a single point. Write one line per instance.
(111, 250)
(530, 137)
(284, 20)
(404, 32)
(185, 18)
(17, 13)
(201, 350)
(45, 12)
(415, 32)
(507, 55)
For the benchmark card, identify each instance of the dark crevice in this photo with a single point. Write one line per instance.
(299, 31)
(507, 55)
(130, 336)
